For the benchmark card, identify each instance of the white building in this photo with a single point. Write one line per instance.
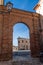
(23, 44)
(39, 7)
(39, 10)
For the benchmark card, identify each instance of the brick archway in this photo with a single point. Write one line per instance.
(7, 20)
(21, 31)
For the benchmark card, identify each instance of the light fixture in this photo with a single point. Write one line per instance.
(9, 6)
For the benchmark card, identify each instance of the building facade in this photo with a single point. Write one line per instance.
(9, 16)
(15, 48)
(23, 44)
(39, 9)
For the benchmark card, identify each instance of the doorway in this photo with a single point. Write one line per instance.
(21, 40)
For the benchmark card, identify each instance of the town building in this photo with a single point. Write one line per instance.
(39, 7)
(39, 10)
(23, 44)
(15, 48)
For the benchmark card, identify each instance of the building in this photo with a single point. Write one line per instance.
(9, 16)
(23, 44)
(39, 10)
(39, 7)
(15, 48)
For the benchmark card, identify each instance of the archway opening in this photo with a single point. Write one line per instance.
(21, 38)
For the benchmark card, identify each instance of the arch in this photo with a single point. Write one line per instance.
(6, 28)
(21, 22)
(28, 26)
(22, 37)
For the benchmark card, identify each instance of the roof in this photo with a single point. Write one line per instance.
(37, 5)
(23, 38)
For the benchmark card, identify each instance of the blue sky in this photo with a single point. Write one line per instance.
(21, 30)
(23, 4)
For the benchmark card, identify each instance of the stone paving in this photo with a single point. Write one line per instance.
(22, 59)
(5, 63)
(34, 62)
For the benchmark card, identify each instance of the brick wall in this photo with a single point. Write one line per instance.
(7, 21)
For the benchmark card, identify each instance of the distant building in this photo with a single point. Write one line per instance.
(15, 48)
(23, 44)
(39, 7)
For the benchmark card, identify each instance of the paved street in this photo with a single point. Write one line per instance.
(25, 56)
(22, 55)
(22, 58)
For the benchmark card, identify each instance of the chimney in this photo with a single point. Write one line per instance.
(1, 2)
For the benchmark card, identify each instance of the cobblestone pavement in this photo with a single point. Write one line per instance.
(22, 59)
(34, 62)
(5, 63)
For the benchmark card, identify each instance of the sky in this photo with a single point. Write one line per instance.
(21, 30)
(27, 5)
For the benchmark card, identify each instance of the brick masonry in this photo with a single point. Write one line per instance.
(7, 21)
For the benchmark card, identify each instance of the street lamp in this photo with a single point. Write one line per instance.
(9, 6)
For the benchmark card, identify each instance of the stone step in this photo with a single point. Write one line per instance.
(12, 62)
(21, 63)
(25, 63)
(21, 53)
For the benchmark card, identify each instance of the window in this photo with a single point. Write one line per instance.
(22, 41)
(26, 47)
(18, 41)
(26, 41)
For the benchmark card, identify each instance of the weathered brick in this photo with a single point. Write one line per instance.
(7, 21)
